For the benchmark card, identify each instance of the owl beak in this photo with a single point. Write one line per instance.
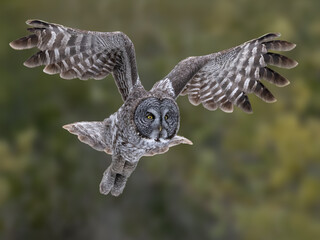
(158, 138)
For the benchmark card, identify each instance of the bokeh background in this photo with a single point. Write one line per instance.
(246, 176)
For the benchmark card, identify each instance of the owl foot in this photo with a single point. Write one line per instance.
(107, 181)
(115, 181)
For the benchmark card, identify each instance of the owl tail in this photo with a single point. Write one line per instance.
(115, 177)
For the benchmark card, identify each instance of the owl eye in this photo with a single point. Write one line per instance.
(150, 116)
(166, 117)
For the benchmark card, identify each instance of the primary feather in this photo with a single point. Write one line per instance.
(223, 79)
(74, 53)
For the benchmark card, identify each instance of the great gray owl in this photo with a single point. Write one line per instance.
(148, 121)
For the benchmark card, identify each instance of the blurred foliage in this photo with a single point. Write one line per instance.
(246, 176)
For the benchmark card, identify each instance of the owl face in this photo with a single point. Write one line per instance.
(157, 118)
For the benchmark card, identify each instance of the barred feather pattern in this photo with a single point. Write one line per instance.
(81, 54)
(225, 78)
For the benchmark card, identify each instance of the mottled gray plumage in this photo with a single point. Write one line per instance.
(148, 121)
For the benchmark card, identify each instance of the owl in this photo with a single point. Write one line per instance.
(148, 121)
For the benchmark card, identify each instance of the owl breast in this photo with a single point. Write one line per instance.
(157, 119)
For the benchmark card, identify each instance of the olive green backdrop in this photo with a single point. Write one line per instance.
(246, 176)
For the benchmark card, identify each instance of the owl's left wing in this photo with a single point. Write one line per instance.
(75, 53)
(223, 79)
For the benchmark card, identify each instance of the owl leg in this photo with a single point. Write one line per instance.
(121, 178)
(111, 175)
(115, 177)
(128, 168)
(107, 181)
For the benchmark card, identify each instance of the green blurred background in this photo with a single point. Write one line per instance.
(246, 176)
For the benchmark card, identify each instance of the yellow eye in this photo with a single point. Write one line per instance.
(166, 117)
(150, 116)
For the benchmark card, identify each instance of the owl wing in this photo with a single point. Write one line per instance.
(81, 54)
(223, 79)
(97, 135)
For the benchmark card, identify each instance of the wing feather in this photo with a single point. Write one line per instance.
(74, 53)
(223, 79)
(93, 133)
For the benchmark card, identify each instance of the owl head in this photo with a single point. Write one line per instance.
(157, 118)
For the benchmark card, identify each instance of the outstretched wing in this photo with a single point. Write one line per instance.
(81, 54)
(223, 79)
(97, 135)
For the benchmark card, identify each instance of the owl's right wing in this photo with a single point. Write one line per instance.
(223, 79)
(81, 54)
